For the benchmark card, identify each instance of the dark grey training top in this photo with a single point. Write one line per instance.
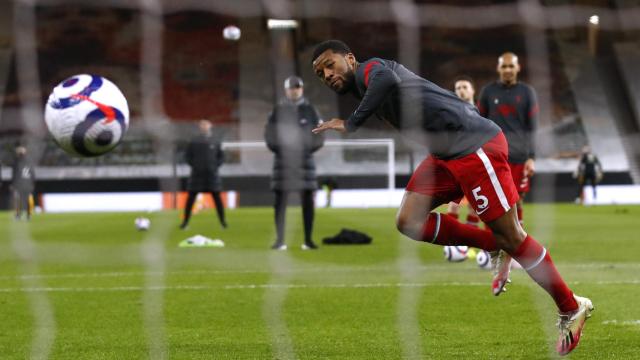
(515, 109)
(450, 127)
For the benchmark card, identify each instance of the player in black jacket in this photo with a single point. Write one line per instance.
(204, 154)
(22, 182)
(589, 172)
(468, 157)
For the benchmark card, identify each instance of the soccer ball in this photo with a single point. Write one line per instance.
(231, 32)
(142, 223)
(87, 115)
(484, 260)
(456, 253)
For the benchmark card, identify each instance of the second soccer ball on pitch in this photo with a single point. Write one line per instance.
(142, 224)
(87, 115)
(484, 260)
(456, 253)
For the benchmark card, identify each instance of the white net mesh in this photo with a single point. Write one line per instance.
(175, 67)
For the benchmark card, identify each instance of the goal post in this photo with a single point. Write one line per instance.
(331, 167)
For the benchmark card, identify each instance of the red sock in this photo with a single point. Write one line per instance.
(444, 230)
(473, 220)
(537, 262)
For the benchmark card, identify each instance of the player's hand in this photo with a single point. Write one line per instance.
(333, 124)
(529, 168)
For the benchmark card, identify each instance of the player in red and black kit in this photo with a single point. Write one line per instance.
(513, 106)
(468, 158)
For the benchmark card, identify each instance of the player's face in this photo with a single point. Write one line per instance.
(205, 126)
(293, 93)
(464, 90)
(508, 69)
(336, 70)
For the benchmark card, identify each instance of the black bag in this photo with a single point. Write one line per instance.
(346, 237)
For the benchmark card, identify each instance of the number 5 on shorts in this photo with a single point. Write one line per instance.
(481, 200)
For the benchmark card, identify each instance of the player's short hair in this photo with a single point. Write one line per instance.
(336, 46)
(463, 78)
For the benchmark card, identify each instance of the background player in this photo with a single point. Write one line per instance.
(22, 183)
(205, 156)
(463, 87)
(513, 106)
(589, 171)
(468, 157)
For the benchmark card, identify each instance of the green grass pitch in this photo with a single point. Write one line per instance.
(89, 286)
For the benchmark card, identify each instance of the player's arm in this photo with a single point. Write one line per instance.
(316, 141)
(378, 81)
(599, 172)
(483, 102)
(531, 124)
(270, 136)
(220, 155)
(188, 154)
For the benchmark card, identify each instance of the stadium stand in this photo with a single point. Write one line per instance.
(232, 84)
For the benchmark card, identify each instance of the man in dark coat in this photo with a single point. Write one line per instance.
(22, 182)
(589, 172)
(204, 154)
(288, 135)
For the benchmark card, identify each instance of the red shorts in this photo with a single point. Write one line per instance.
(521, 181)
(484, 177)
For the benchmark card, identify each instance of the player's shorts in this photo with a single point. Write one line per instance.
(522, 182)
(484, 177)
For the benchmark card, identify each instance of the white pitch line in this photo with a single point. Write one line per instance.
(275, 286)
(299, 270)
(621, 322)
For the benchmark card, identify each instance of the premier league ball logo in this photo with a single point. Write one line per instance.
(87, 115)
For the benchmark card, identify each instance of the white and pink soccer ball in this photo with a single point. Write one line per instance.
(87, 115)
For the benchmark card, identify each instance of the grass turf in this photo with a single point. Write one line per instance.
(88, 286)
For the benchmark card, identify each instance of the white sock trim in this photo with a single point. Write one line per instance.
(435, 233)
(539, 260)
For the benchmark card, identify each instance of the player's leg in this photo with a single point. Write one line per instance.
(581, 183)
(537, 262)
(191, 199)
(280, 208)
(486, 178)
(533, 257)
(217, 200)
(453, 210)
(593, 182)
(17, 204)
(430, 186)
(416, 220)
(522, 184)
(519, 211)
(472, 217)
(308, 210)
(27, 204)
